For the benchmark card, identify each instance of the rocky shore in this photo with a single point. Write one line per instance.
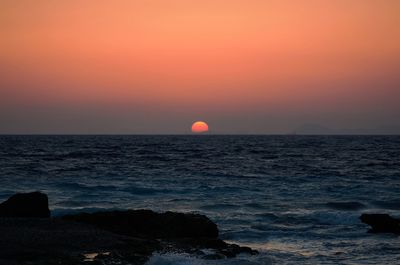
(30, 236)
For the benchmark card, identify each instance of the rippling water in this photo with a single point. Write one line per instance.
(296, 198)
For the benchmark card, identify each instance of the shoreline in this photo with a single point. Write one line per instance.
(31, 236)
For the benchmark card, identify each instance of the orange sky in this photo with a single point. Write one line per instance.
(154, 66)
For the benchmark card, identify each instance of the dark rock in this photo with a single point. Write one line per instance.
(232, 250)
(115, 237)
(177, 232)
(146, 223)
(221, 248)
(34, 204)
(214, 256)
(381, 223)
(45, 241)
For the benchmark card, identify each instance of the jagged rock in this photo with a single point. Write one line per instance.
(221, 248)
(381, 223)
(177, 232)
(114, 237)
(45, 241)
(146, 223)
(34, 204)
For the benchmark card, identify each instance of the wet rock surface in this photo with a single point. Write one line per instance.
(197, 246)
(381, 223)
(109, 237)
(176, 232)
(146, 223)
(54, 241)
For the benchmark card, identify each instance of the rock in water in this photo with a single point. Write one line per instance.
(381, 223)
(34, 204)
(146, 223)
(115, 237)
(51, 241)
(176, 232)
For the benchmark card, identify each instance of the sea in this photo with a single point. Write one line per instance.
(297, 199)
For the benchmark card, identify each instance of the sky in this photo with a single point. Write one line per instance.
(157, 66)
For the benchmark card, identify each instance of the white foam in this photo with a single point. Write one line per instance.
(185, 259)
(337, 218)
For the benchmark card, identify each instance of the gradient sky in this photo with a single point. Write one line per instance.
(156, 66)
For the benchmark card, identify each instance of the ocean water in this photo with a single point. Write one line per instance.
(297, 199)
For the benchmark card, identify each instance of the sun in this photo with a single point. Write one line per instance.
(199, 127)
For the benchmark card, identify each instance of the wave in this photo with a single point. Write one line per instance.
(389, 204)
(56, 212)
(345, 205)
(267, 216)
(79, 155)
(219, 206)
(300, 221)
(85, 187)
(336, 218)
(99, 188)
(255, 205)
(185, 259)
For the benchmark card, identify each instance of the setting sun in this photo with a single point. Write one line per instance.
(199, 127)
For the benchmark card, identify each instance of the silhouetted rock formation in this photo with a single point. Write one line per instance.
(115, 237)
(177, 231)
(381, 223)
(51, 241)
(146, 223)
(194, 246)
(34, 204)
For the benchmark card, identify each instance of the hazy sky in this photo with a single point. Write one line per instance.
(156, 66)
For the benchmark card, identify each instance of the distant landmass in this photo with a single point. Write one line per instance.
(311, 129)
(318, 129)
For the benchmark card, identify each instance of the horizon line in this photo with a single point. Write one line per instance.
(198, 134)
